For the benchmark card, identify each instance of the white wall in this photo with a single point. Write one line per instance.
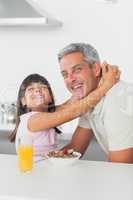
(106, 26)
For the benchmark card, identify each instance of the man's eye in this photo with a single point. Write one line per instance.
(64, 75)
(78, 69)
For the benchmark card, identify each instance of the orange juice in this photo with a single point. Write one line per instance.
(25, 157)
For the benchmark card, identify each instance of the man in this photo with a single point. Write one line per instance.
(111, 121)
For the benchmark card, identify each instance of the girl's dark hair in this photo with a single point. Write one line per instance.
(33, 78)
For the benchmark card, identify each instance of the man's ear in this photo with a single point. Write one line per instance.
(23, 101)
(97, 69)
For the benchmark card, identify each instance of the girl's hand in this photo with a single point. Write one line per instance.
(110, 75)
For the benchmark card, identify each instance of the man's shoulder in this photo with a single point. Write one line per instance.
(118, 96)
(120, 89)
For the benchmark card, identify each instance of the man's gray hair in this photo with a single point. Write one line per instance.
(88, 51)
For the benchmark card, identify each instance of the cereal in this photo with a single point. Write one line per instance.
(66, 153)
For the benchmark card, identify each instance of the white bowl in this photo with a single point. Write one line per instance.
(64, 161)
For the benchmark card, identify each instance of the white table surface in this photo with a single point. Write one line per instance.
(85, 180)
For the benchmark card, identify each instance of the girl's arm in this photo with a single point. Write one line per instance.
(61, 106)
(70, 111)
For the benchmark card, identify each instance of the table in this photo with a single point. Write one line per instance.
(83, 181)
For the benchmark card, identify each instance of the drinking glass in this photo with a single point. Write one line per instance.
(25, 154)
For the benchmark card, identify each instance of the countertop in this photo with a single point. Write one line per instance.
(7, 127)
(83, 180)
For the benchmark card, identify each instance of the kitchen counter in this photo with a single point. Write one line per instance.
(84, 180)
(7, 127)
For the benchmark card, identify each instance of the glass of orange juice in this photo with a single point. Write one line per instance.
(25, 155)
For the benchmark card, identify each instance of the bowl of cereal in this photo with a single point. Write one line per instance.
(63, 157)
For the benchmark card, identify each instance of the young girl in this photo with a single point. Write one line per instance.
(37, 116)
(35, 95)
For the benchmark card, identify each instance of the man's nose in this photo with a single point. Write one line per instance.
(71, 77)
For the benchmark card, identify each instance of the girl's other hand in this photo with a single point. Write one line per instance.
(110, 75)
